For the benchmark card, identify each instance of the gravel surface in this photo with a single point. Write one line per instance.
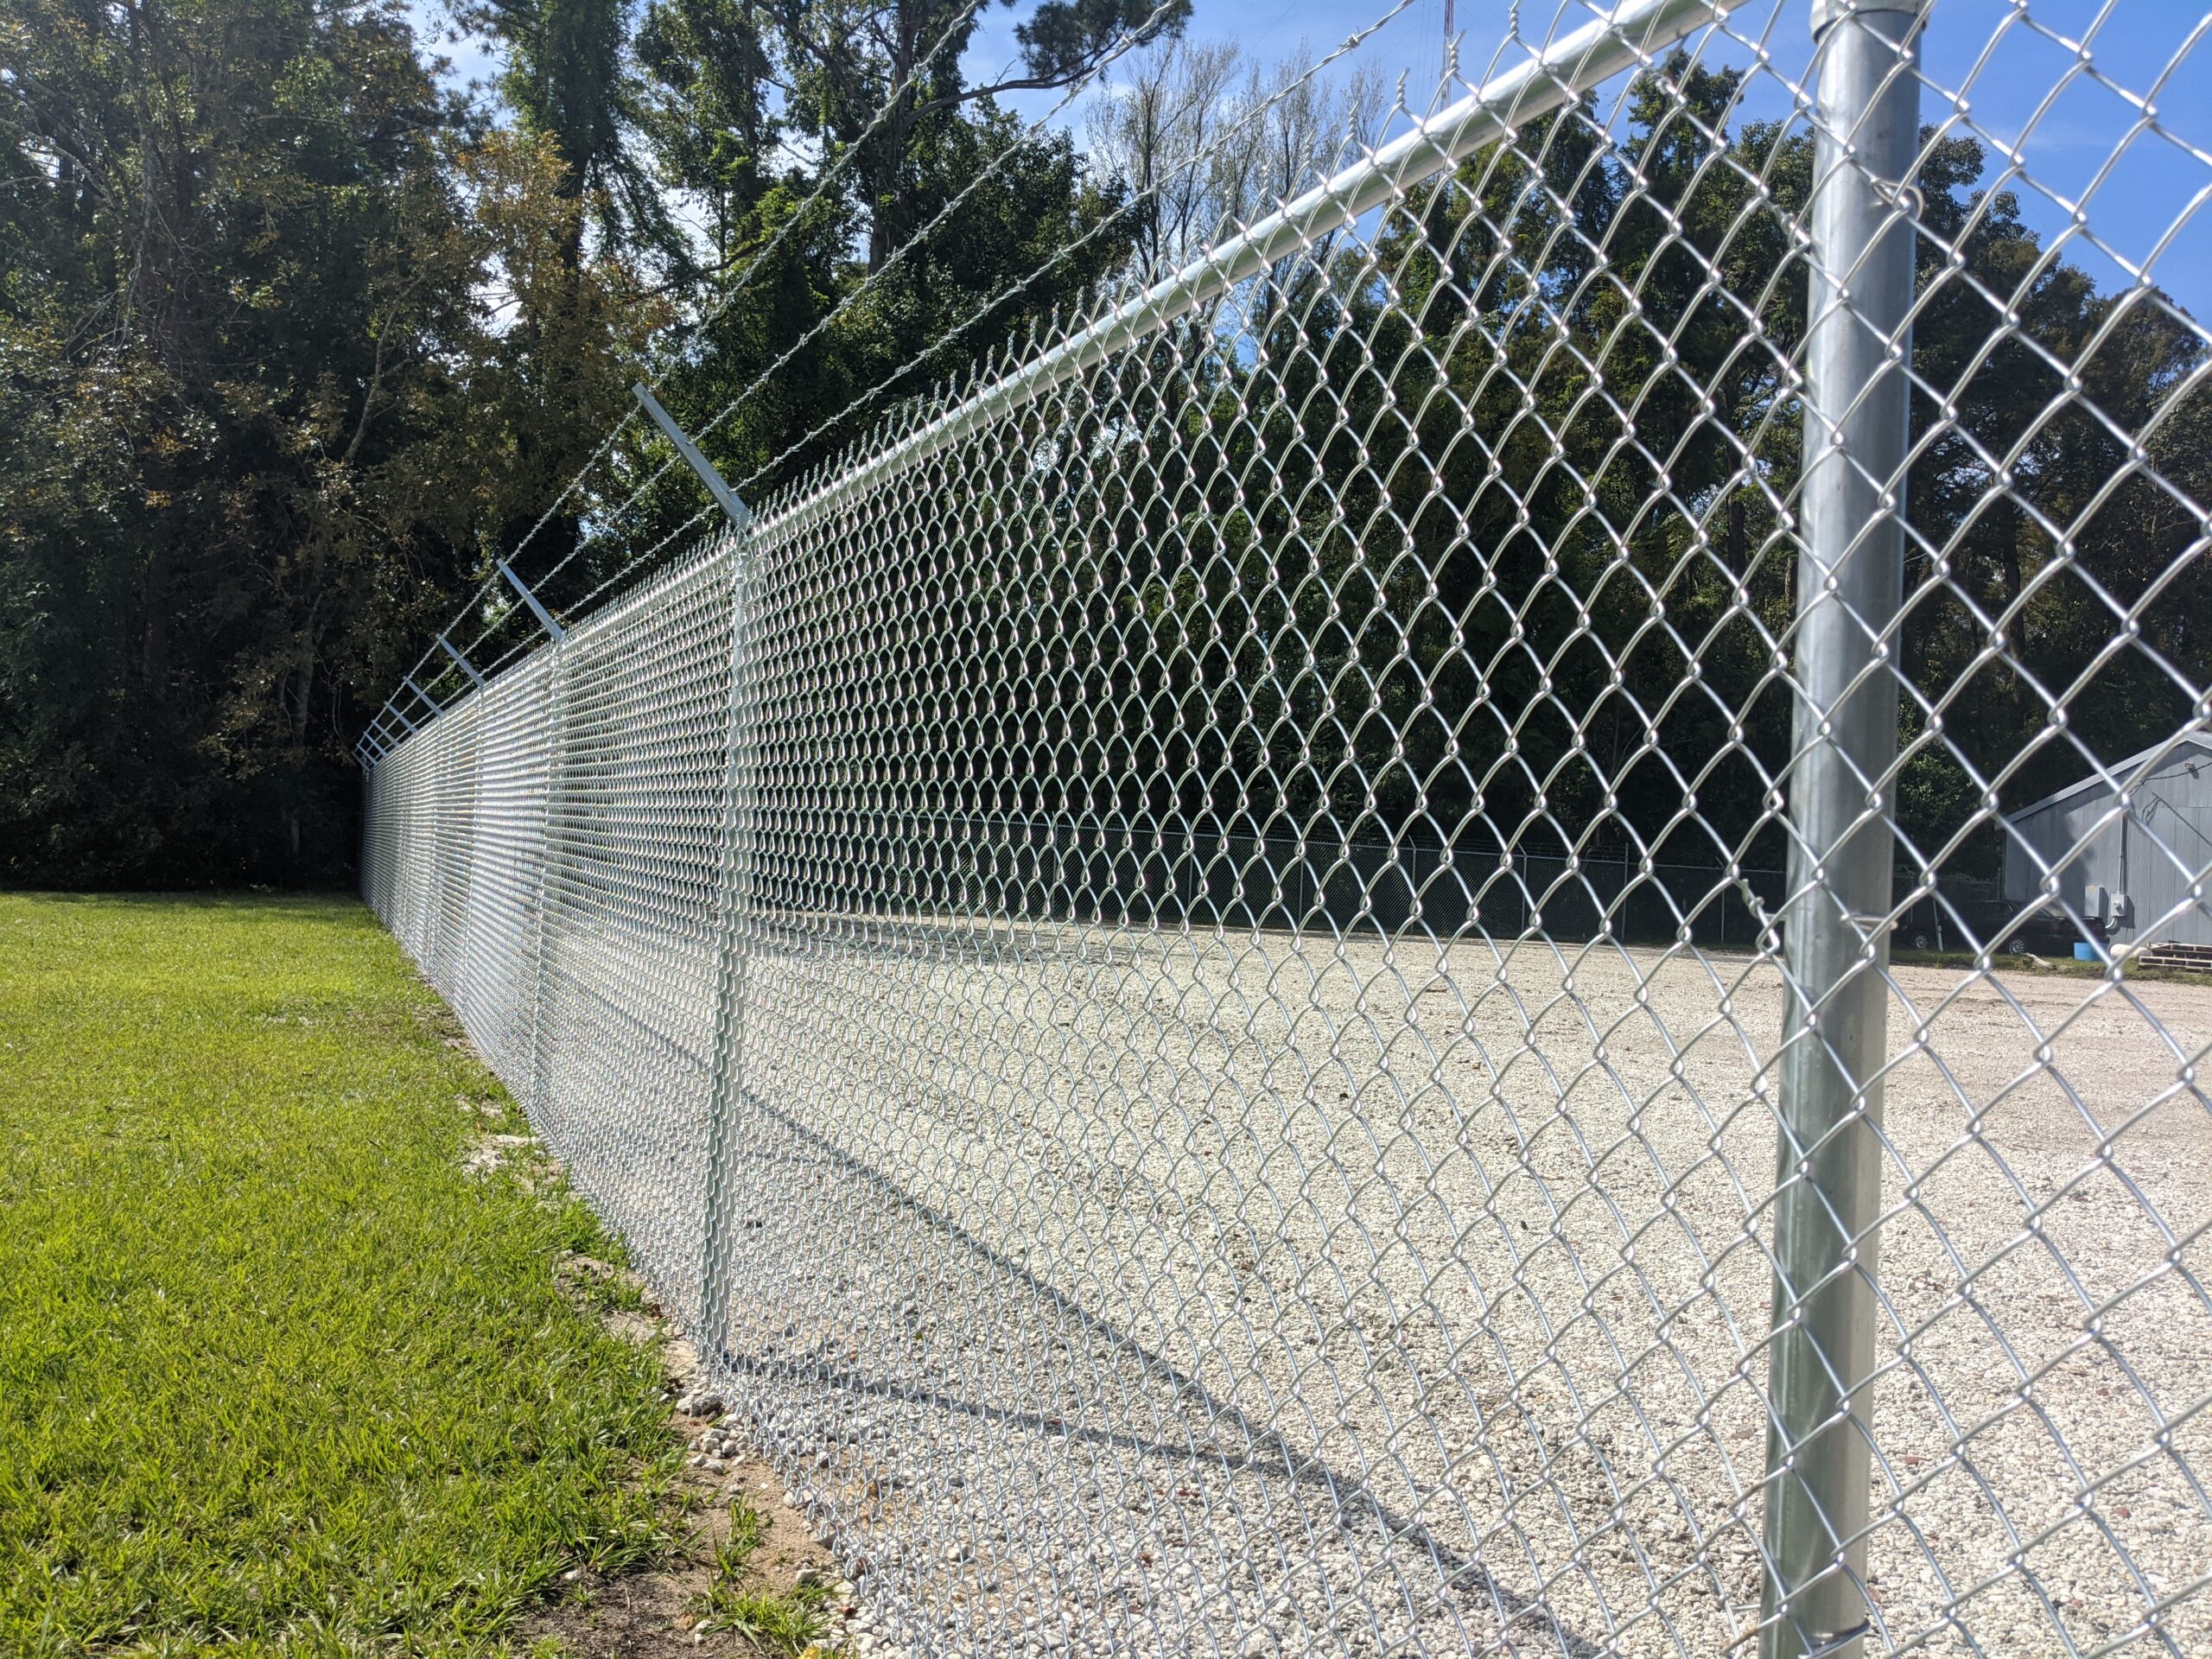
(1099, 1292)
(1103, 1292)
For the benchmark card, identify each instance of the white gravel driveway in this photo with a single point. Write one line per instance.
(1115, 1292)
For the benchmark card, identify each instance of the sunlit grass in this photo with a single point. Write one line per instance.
(786, 1622)
(274, 1373)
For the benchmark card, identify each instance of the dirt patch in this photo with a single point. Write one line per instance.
(660, 1611)
(640, 1616)
(497, 1152)
(744, 1576)
(738, 1543)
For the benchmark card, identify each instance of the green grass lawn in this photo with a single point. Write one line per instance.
(275, 1375)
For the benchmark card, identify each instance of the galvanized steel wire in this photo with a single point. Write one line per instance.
(1239, 977)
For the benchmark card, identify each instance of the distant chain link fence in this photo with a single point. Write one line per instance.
(1242, 980)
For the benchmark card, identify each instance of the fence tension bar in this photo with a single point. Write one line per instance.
(739, 514)
(467, 667)
(529, 598)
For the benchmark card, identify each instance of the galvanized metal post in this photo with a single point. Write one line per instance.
(1849, 581)
(726, 1081)
(725, 1090)
(540, 1056)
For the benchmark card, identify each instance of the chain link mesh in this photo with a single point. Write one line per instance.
(1218, 1028)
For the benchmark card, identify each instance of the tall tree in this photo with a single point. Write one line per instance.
(257, 417)
(879, 76)
(1523, 563)
(709, 111)
(569, 80)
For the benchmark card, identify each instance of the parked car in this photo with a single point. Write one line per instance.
(1925, 925)
(2049, 931)
(2046, 933)
(1931, 924)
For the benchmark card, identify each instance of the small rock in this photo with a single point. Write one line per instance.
(1258, 1642)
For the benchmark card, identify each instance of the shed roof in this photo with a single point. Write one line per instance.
(2169, 749)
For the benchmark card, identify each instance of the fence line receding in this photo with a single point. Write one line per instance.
(1329, 965)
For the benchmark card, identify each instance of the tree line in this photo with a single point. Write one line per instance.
(298, 336)
(1474, 531)
(298, 339)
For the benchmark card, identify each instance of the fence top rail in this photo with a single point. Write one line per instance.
(1631, 34)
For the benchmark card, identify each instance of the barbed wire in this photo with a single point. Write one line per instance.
(1511, 42)
(1107, 223)
(736, 287)
(908, 249)
(1247, 116)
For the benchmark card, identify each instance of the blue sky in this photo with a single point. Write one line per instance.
(2066, 143)
(2085, 147)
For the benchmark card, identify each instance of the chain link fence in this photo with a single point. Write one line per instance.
(1242, 979)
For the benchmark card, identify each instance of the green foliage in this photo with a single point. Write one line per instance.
(275, 1374)
(704, 104)
(748, 1531)
(882, 78)
(261, 418)
(1480, 535)
(1062, 38)
(293, 345)
(773, 1621)
(569, 81)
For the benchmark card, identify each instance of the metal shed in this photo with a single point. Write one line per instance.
(2138, 870)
